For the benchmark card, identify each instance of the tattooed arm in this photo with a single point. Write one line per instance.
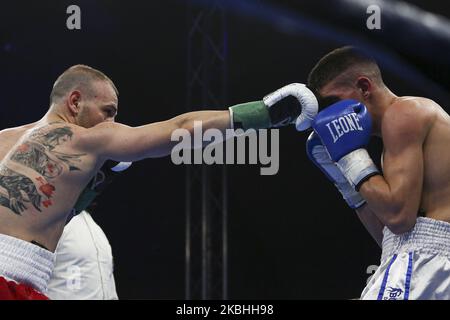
(119, 142)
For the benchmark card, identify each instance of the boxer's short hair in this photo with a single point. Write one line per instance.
(78, 76)
(339, 62)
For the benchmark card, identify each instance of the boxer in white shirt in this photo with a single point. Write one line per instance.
(84, 262)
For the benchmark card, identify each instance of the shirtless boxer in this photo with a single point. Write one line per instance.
(45, 165)
(406, 208)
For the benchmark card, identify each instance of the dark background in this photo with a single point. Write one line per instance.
(290, 235)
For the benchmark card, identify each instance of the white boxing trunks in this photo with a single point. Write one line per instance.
(23, 264)
(414, 265)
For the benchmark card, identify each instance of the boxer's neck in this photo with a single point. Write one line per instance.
(381, 100)
(54, 114)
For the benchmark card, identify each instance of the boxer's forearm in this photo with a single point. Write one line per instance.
(191, 123)
(395, 210)
(372, 224)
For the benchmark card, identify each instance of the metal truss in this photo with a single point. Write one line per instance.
(206, 185)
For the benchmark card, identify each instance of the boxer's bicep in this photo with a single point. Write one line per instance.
(403, 173)
(395, 197)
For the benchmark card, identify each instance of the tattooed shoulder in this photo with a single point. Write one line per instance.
(38, 152)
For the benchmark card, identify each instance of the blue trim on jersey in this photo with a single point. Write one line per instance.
(385, 278)
(408, 276)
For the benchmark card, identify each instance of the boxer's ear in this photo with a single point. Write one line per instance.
(364, 85)
(73, 102)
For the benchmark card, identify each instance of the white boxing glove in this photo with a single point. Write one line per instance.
(291, 104)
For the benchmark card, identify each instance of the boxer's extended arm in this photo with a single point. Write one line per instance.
(395, 197)
(119, 142)
(290, 104)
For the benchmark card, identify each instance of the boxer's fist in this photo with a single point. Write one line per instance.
(291, 104)
(344, 129)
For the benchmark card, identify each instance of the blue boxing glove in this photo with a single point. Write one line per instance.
(321, 158)
(344, 129)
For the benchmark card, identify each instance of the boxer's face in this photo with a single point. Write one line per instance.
(332, 93)
(98, 107)
(360, 90)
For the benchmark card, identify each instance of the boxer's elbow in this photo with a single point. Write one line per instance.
(395, 208)
(401, 226)
(401, 222)
(399, 215)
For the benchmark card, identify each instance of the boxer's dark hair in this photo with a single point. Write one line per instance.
(347, 63)
(78, 77)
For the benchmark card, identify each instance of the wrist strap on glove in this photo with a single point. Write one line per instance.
(357, 167)
(250, 115)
